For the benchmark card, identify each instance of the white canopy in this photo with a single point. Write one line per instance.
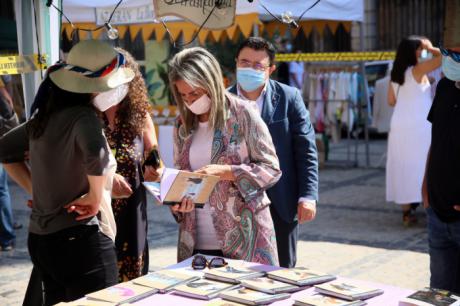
(142, 10)
(344, 10)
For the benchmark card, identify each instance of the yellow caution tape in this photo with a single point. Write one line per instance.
(21, 64)
(336, 56)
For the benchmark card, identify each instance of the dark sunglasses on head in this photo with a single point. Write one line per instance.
(453, 54)
(200, 262)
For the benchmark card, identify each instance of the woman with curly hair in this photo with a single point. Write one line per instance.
(131, 136)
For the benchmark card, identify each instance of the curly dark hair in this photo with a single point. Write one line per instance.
(133, 109)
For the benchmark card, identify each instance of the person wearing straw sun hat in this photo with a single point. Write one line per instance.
(69, 239)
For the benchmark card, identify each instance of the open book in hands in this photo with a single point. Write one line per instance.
(177, 184)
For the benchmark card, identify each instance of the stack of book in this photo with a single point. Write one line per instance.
(268, 285)
(164, 280)
(322, 300)
(219, 302)
(203, 289)
(85, 303)
(347, 291)
(232, 274)
(300, 276)
(251, 297)
(431, 297)
(122, 293)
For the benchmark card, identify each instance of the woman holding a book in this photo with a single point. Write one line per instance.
(218, 134)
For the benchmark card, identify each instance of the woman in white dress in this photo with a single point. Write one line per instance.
(410, 132)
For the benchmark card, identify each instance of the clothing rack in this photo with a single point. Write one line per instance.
(348, 162)
(361, 106)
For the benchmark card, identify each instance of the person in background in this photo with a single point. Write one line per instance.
(220, 135)
(8, 120)
(70, 240)
(294, 197)
(131, 136)
(297, 73)
(409, 136)
(283, 74)
(440, 190)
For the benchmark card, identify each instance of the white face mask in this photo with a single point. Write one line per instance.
(107, 99)
(201, 105)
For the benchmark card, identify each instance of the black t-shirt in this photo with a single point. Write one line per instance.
(443, 172)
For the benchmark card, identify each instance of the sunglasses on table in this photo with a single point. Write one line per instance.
(200, 262)
(453, 54)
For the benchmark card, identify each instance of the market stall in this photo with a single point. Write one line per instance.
(391, 295)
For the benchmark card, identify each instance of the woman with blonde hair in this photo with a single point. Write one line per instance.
(220, 135)
(131, 136)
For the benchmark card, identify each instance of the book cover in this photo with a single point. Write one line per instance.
(219, 302)
(268, 285)
(431, 297)
(300, 276)
(347, 291)
(85, 303)
(164, 280)
(251, 297)
(322, 300)
(232, 273)
(177, 184)
(203, 289)
(124, 292)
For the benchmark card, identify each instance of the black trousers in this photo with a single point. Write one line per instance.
(73, 262)
(286, 239)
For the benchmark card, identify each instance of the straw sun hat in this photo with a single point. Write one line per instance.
(92, 66)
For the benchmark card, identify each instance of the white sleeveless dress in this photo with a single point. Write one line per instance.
(408, 141)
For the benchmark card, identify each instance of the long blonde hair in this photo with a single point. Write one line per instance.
(199, 69)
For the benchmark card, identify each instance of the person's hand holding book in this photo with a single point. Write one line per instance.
(224, 172)
(185, 206)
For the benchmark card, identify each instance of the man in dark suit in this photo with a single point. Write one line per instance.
(294, 197)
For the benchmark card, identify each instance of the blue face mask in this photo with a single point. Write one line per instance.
(451, 68)
(250, 79)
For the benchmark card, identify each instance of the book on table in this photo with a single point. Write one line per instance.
(122, 293)
(248, 296)
(164, 280)
(219, 302)
(177, 184)
(232, 273)
(431, 297)
(323, 300)
(203, 289)
(347, 291)
(300, 276)
(86, 303)
(268, 285)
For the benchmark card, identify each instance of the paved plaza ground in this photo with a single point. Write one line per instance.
(356, 233)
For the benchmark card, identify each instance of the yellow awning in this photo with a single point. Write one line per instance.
(244, 24)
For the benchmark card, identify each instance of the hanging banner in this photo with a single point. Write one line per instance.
(125, 15)
(221, 13)
(21, 64)
(336, 56)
